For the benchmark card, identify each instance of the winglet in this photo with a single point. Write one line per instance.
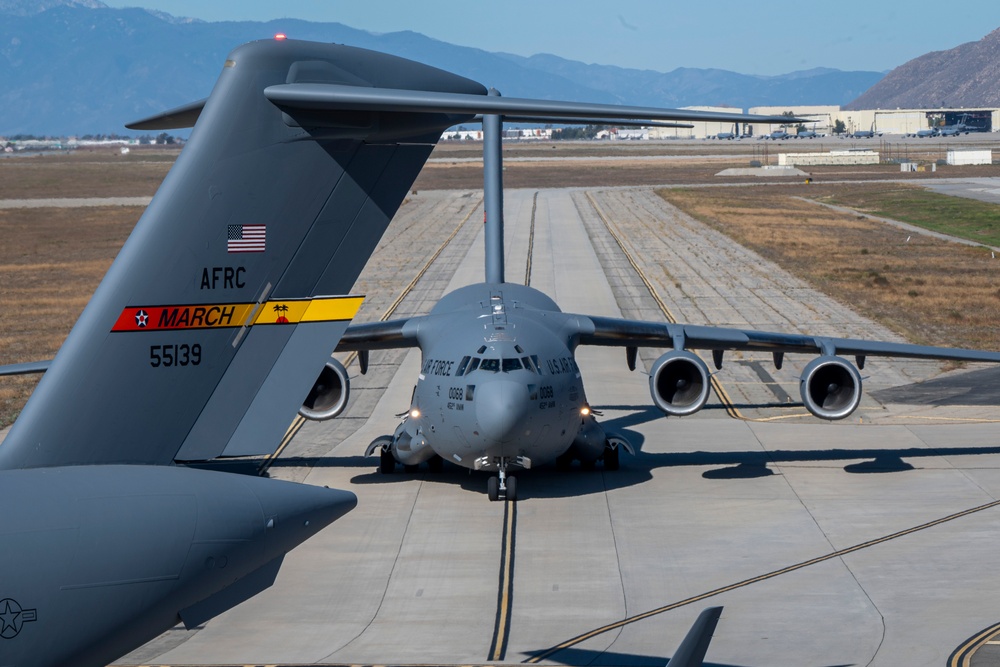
(691, 652)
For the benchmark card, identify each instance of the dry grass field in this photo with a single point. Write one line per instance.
(933, 292)
(86, 173)
(53, 259)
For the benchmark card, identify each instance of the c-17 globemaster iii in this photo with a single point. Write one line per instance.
(499, 388)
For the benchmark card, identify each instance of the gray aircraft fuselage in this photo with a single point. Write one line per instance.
(498, 381)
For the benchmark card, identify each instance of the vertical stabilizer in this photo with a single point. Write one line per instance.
(234, 280)
(493, 193)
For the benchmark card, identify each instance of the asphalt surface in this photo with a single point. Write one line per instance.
(870, 542)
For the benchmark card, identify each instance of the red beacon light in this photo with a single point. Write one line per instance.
(280, 37)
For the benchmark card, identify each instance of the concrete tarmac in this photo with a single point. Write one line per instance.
(866, 542)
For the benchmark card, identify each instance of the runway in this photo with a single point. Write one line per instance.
(870, 542)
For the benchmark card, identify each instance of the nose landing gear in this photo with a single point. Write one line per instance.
(502, 485)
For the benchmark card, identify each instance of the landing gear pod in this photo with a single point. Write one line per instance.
(678, 383)
(329, 394)
(830, 387)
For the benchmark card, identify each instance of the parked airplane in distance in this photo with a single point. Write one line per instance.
(733, 134)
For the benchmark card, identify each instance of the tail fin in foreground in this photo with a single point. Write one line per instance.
(691, 652)
(209, 327)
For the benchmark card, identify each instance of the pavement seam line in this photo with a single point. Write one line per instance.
(388, 579)
(753, 580)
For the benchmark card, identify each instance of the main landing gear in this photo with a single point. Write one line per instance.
(502, 485)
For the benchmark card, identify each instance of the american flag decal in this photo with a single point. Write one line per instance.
(246, 238)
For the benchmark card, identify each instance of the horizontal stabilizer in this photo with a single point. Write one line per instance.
(178, 117)
(26, 368)
(571, 120)
(338, 97)
(691, 652)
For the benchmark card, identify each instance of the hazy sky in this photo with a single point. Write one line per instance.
(761, 37)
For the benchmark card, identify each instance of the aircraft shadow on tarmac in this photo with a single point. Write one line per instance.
(979, 388)
(548, 482)
(976, 388)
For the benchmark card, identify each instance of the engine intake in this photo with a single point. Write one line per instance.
(679, 383)
(328, 396)
(830, 387)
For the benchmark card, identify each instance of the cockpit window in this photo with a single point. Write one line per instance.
(511, 365)
(473, 365)
(527, 364)
(534, 360)
(490, 365)
(461, 366)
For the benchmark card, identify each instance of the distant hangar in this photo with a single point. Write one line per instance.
(881, 121)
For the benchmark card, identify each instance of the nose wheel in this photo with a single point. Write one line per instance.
(503, 485)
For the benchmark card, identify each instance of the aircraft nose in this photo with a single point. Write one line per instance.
(501, 407)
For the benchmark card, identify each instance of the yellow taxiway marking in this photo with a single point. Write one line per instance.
(966, 420)
(962, 656)
(727, 402)
(501, 631)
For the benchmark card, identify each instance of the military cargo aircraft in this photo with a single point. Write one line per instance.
(499, 388)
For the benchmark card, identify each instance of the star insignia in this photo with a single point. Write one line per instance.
(141, 319)
(9, 627)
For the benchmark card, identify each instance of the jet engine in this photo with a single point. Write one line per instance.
(679, 383)
(328, 396)
(830, 387)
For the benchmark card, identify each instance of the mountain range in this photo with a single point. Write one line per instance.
(80, 67)
(965, 76)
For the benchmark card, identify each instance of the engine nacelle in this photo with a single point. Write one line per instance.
(830, 387)
(679, 383)
(329, 394)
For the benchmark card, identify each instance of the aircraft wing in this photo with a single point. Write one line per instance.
(633, 333)
(387, 335)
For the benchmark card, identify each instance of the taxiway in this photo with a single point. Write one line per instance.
(871, 542)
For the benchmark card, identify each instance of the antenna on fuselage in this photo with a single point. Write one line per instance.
(493, 193)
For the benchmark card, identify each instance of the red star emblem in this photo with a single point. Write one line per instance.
(141, 318)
